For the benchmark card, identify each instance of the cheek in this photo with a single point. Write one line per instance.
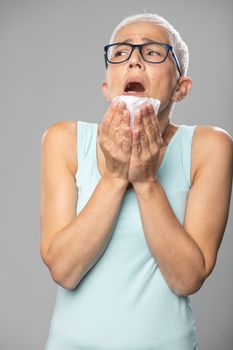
(162, 88)
(163, 81)
(114, 79)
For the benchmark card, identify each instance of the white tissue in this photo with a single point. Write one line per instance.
(133, 102)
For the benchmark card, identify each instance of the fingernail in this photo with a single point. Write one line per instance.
(138, 115)
(149, 107)
(122, 104)
(115, 103)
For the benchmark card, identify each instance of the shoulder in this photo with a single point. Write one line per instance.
(61, 138)
(62, 129)
(212, 143)
(212, 138)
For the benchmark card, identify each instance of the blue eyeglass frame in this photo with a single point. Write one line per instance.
(139, 46)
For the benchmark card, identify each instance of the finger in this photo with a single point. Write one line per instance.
(108, 117)
(143, 136)
(149, 128)
(127, 140)
(155, 123)
(124, 135)
(136, 142)
(115, 125)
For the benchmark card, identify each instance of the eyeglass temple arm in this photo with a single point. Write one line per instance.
(105, 59)
(177, 64)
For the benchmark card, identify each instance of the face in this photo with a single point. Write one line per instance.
(161, 81)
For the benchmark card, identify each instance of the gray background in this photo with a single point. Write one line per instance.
(51, 68)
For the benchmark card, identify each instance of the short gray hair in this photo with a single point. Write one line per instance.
(179, 46)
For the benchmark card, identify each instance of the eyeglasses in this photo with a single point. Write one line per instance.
(153, 52)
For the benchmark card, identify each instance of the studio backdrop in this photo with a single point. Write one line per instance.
(51, 69)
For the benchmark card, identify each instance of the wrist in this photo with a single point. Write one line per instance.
(115, 181)
(146, 186)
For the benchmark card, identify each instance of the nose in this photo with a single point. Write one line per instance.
(135, 58)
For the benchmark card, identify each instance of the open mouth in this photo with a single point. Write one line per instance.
(134, 87)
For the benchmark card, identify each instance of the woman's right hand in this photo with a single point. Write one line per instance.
(115, 140)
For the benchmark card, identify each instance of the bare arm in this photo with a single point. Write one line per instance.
(71, 244)
(187, 253)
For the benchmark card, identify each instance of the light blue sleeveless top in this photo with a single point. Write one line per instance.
(123, 302)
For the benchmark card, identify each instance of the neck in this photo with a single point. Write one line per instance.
(164, 118)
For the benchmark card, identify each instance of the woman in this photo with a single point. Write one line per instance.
(152, 204)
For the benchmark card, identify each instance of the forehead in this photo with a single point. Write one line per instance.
(139, 30)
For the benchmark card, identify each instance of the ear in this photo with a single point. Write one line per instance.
(182, 89)
(105, 90)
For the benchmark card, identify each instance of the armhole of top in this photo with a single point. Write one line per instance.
(82, 139)
(78, 144)
(188, 154)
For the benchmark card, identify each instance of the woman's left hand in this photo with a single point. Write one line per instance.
(146, 143)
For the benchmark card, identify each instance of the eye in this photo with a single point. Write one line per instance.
(118, 53)
(154, 53)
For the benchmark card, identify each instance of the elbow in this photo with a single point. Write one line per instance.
(64, 284)
(58, 273)
(59, 278)
(185, 292)
(191, 283)
(188, 288)
(61, 281)
(65, 279)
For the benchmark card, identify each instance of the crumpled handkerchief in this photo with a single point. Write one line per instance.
(133, 102)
